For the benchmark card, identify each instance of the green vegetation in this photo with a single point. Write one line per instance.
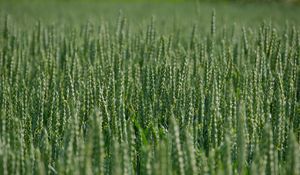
(161, 1)
(191, 90)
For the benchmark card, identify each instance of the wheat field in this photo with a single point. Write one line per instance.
(100, 90)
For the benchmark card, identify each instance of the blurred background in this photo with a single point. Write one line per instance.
(284, 1)
(178, 15)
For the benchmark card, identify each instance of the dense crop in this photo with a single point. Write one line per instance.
(104, 99)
